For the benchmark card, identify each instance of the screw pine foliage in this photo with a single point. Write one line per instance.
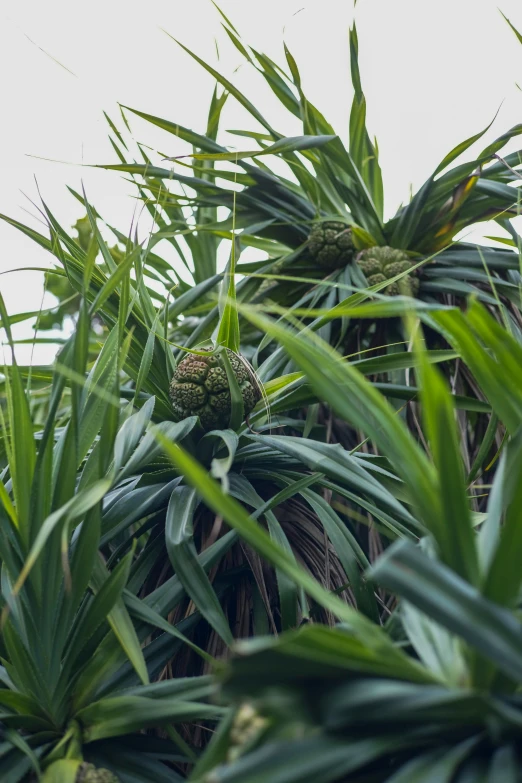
(268, 528)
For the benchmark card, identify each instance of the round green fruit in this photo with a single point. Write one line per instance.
(200, 387)
(330, 244)
(382, 263)
(88, 773)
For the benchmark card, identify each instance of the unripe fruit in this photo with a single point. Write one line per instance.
(88, 773)
(330, 244)
(200, 387)
(382, 263)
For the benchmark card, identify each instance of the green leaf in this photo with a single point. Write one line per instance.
(503, 578)
(245, 492)
(182, 554)
(491, 353)
(112, 717)
(238, 95)
(62, 771)
(462, 147)
(316, 759)
(350, 554)
(221, 466)
(455, 535)
(357, 402)
(410, 216)
(202, 142)
(98, 394)
(19, 742)
(255, 536)
(440, 651)
(148, 448)
(504, 765)
(236, 398)
(22, 448)
(362, 150)
(121, 623)
(286, 144)
(8, 504)
(139, 610)
(228, 328)
(435, 766)
(518, 35)
(85, 551)
(131, 432)
(92, 215)
(455, 604)
(115, 279)
(76, 507)
(98, 611)
(146, 360)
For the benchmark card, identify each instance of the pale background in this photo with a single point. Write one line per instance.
(434, 73)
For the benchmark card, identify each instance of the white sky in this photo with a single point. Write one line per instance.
(433, 74)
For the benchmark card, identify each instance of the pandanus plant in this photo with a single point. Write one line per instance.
(322, 227)
(281, 479)
(188, 565)
(150, 560)
(81, 651)
(436, 694)
(315, 221)
(325, 505)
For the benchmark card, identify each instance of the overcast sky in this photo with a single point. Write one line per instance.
(433, 74)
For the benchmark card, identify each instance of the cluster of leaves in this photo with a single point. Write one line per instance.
(359, 533)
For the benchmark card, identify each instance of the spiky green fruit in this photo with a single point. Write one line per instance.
(330, 244)
(200, 387)
(88, 773)
(382, 263)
